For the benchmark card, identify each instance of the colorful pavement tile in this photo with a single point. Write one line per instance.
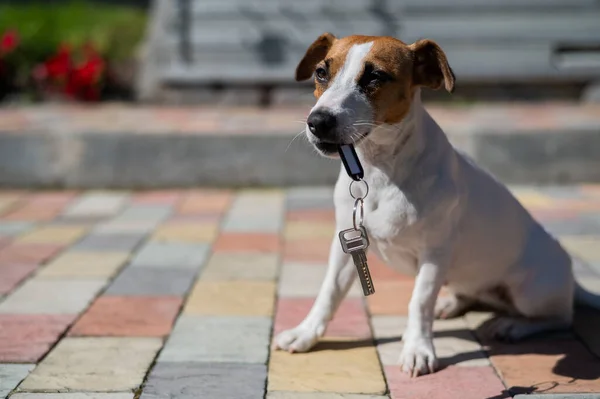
(178, 293)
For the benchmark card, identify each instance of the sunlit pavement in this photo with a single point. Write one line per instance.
(177, 294)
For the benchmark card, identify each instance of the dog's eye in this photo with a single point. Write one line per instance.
(380, 76)
(321, 74)
(373, 78)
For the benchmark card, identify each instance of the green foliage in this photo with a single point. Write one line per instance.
(113, 29)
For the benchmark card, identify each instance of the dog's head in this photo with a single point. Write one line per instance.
(364, 81)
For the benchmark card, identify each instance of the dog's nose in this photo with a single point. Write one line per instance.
(321, 123)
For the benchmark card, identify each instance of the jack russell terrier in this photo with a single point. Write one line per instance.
(431, 212)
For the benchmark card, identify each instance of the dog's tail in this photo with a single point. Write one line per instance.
(586, 298)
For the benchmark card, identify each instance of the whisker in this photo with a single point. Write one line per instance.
(294, 138)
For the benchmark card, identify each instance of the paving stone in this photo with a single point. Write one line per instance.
(12, 274)
(97, 204)
(11, 375)
(38, 296)
(225, 266)
(85, 264)
(158, 197)
(237, 339)
(308, 250)
(582, 205)
(309, 198)
(531, 198)
(578, 226)
(129, 316)
(122, 242)
(392, 298)
(311, 215)
(80, 395)
(201, 202)
(13, 229)
(451, 382)
(209, 219)
(191, 232)
(94, 364)
(253, 223)
(315, 395)
(8, 202)
(350, 320)
(33, 213)
(52, 198)
(455, 344)
(188, 380)
(305, 279)
(332, 366)
(125, 227)
(587, 248)
(28, 253)
(26, 338)
(61, 235)
(247, 242)
(549, 365)
(388, 332)
(560, 396)
(138, 212)
(4, 241)
(309, 229)
(142, 281)
(255, 212)
(231, 298)
(171, 255)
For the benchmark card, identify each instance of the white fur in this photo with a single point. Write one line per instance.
(343, 97)
(432, 213)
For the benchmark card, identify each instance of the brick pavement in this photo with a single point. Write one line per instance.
(177, 294)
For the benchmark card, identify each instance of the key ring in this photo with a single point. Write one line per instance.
(358, 204)
(366, 190)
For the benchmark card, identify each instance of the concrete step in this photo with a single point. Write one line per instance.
(122, 146)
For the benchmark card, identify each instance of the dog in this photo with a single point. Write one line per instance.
(431, 212)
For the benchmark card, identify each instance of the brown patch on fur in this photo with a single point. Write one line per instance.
(431, 67)
(335, 58)
(315, 54)
(391, 100)
(410, 66)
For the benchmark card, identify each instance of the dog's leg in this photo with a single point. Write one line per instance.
(340, 275)
(540, 309)
(418, 354)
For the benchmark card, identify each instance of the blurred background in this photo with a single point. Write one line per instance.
(224, 69)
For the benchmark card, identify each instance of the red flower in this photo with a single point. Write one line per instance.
(84, 79)
(59, 65)
(9, 41)
(76, 80)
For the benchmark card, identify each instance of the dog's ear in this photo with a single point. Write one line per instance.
(430, 66)
(315, 54)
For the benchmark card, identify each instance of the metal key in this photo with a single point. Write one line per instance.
(356, 246)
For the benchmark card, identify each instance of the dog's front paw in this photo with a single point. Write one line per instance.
(299, 339)
(418, 357)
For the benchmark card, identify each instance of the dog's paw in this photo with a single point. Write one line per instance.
(514, 329)
(449, 307)
(446, 307)
(418, 358)
(299, 339)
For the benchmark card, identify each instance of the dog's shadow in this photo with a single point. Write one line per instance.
(574, 360)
